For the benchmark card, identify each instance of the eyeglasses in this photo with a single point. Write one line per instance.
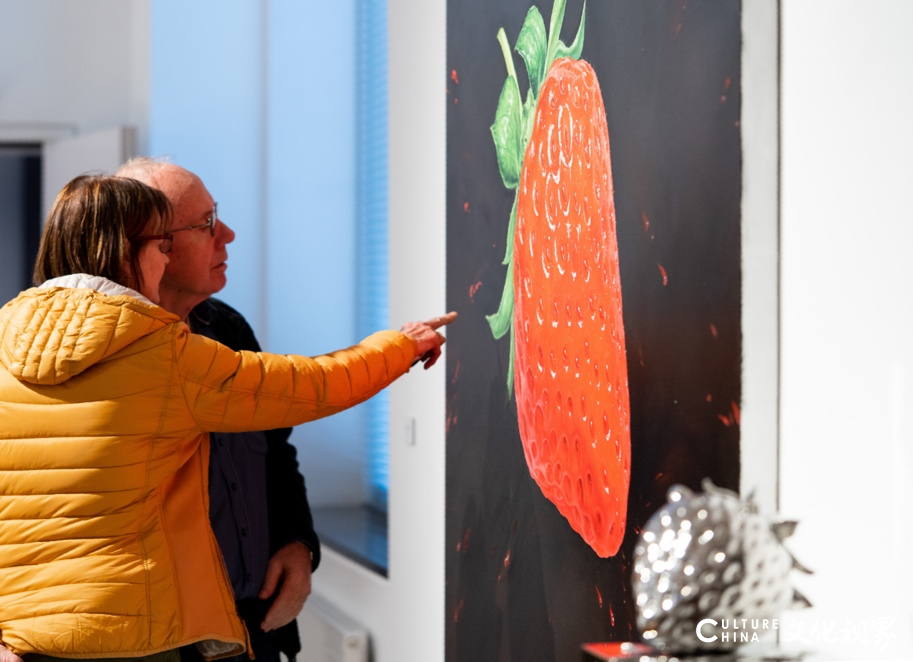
(210, 222)
(167, 240)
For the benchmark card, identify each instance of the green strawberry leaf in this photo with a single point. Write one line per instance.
(510, 365)
(509, 253)
(532, 45)
(500, 322)
(529, 117)
(507, 132)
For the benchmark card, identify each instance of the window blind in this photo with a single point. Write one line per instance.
(371, 220)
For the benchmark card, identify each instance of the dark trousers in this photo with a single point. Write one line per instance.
(266, 645)
(167, 656)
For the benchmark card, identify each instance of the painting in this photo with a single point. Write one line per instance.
(593, 253)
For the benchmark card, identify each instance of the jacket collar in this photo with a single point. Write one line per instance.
(97, 283)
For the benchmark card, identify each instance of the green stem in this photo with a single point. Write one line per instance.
(508, 59)
(554, 32)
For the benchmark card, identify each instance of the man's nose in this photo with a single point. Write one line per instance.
(224, 234)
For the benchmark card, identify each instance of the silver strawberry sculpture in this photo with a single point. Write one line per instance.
(711, 556)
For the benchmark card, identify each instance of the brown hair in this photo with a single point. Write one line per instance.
(95, 227)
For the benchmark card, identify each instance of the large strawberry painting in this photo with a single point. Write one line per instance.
(594, 255)
(562, 297)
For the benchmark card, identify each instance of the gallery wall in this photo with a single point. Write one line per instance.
(846, 395)
(60, 59)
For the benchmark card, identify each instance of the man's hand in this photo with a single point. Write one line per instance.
(6, 655)
(289, 570)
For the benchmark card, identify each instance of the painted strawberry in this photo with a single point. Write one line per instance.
(562, 295)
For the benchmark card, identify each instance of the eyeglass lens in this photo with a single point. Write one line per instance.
(213, 218)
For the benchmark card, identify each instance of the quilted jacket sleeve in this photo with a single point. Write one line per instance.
(230, 391)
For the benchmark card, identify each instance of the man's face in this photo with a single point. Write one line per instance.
(198, 258)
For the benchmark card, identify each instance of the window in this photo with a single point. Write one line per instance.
(361, 532)
(371, 220)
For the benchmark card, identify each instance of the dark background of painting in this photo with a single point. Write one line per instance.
(521, 585)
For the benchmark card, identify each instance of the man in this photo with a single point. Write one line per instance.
(258, 501)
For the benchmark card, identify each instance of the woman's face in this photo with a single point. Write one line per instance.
(152, 263)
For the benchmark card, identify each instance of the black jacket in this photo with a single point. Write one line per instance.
(280, 493)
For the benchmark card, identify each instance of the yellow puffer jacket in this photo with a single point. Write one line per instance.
(105, 402)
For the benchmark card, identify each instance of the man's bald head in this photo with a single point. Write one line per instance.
(172, 180)
(199, 255)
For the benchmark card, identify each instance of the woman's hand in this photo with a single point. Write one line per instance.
(427, 338)
(6, 655)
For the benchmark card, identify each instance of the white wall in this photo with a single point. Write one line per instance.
(760, 251)
(206, 114)
(847, 363)
(72, 67)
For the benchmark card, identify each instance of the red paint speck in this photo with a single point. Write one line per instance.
(473, 289)
(709, 398)
(647, 224)
(725, 420)
(459, 608)
(507, 560)
(662, 270)
(456, 372)
(599, 595)
(727, 82)
(713, 330)
(723, 99)
(658, 476)
(455, 101)
(736, 413)
(466, 207)
(454, 77)
(611, 616)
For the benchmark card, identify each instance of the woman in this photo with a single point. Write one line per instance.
(105, 402)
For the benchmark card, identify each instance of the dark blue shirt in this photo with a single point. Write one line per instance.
(258, 501)
(238, 507)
